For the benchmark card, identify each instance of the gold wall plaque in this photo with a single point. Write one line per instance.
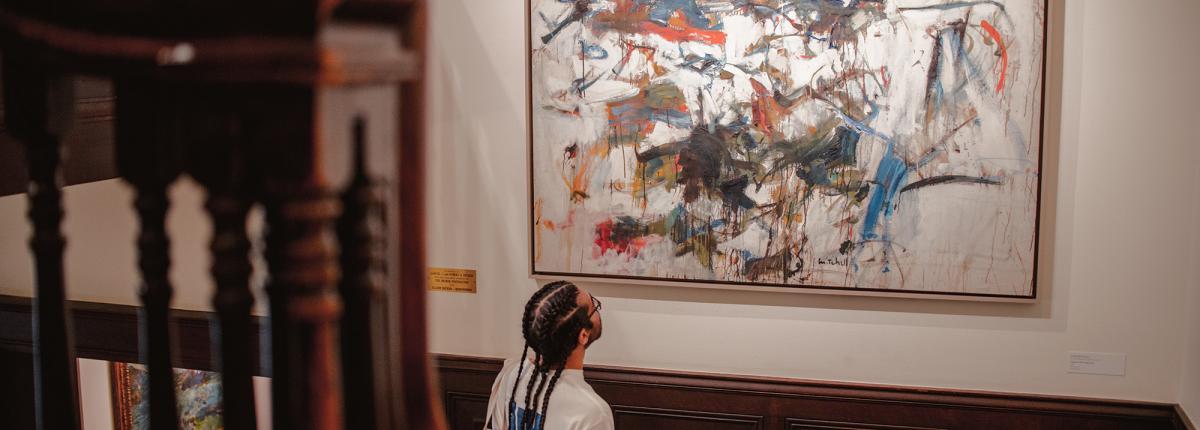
(454, 280)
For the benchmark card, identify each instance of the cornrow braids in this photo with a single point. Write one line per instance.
(533, 377)
(551, 325)
(512, 401)
(532, 408)
(565, 337)
(532, 305)
(553, 381)
(526, 322)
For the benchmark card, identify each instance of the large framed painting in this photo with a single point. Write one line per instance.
(197, 392)
(852, 146)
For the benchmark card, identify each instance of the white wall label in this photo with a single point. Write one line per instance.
(1097, 363)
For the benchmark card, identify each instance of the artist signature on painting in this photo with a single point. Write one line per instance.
(833, 261)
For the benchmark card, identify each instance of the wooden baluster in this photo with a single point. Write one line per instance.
(38, 110)
(302, 253)
(362, 232)
(218, 158)
(148, 158)
(305, 307)
(421, 406)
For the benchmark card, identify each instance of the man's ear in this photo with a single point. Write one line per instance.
(584, 334)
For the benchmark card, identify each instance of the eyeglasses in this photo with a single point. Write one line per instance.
(596, 305)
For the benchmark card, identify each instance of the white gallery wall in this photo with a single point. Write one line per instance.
(1189, 391)
(101, 257)
(1122, 175)
(1121, 234)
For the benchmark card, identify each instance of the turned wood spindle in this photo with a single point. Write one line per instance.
(39, 107)
(233, 301)
(302, 255)
(148, 158)
(218, 160)
(362, 234)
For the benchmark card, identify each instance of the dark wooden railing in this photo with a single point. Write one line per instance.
(234, 94)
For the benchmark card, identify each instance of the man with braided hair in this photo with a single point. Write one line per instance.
(545, 389)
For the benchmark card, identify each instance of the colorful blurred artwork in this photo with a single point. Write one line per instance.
(197, 392)
(866, 145)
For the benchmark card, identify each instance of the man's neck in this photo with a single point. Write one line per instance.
(575, 360)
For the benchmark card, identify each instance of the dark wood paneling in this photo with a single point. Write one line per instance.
(796, 424)
(16, 394)
(639, 417)
(466, 410)
(658, 399)
(88, 148)
(1182, 422)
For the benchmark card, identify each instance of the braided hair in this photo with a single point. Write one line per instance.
(551, 326)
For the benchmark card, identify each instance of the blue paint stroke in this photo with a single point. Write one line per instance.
(592, 51)
(631, 115)
(889, 180)
(582, 84)
(661, 11)
(890, 177)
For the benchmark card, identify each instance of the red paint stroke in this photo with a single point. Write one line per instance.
(629, 48)
(887, 77)
(684, 33)
(1003, 53)
(622, 244)
(764, 107)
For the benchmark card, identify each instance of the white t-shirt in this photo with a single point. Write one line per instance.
(573, 404)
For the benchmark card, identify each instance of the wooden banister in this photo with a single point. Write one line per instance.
(241, 103)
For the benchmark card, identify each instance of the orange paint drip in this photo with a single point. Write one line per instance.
(1003, 53)
(577, 184)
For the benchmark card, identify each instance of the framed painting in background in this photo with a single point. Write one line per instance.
(858, 146)
(197, 392)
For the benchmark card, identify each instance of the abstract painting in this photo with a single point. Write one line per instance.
(849, 145)
(197, 392)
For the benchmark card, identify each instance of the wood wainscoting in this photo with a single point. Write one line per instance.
(640, 398)
(663, 399)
